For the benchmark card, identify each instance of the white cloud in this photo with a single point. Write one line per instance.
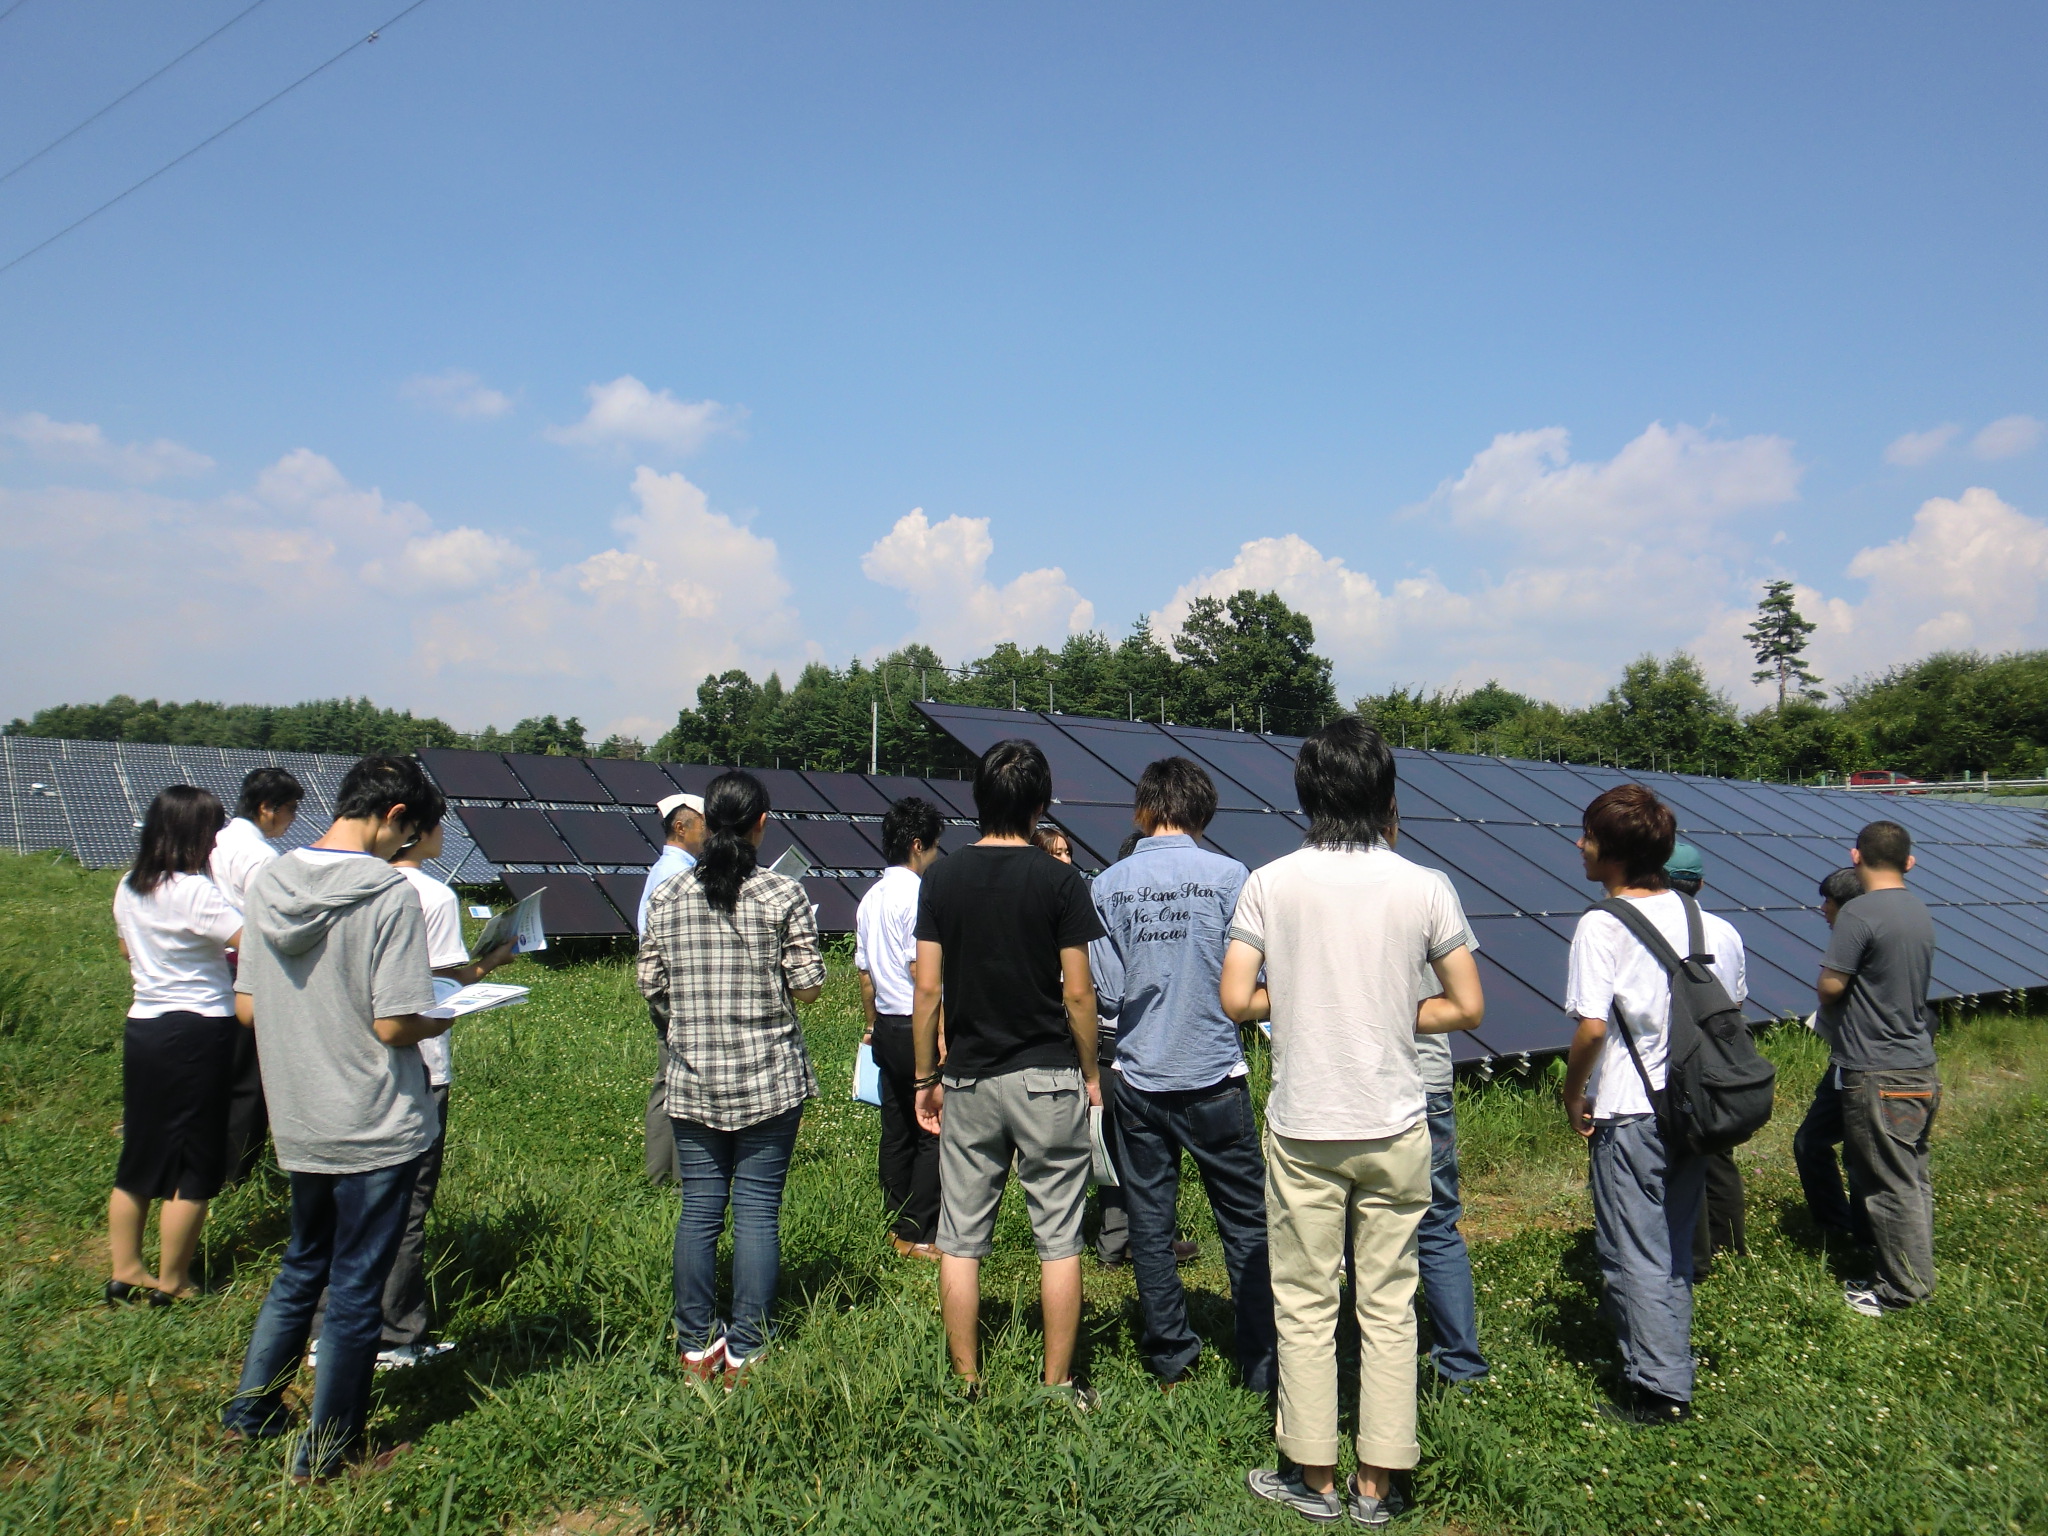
(1914, 448)
(625, 412)
(2006, 438)
(455, 393)
(941, 568)
(82, 442)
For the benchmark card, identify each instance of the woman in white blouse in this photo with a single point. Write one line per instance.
(178, 1053)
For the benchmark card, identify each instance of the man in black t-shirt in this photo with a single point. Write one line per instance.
(1002, 936)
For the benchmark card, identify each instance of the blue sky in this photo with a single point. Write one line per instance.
(544, 357)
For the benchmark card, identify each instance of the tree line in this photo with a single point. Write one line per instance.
(1246, 662)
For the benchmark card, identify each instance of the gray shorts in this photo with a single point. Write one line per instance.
(1039, 1117)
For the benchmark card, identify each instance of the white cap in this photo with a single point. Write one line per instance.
(675, 803)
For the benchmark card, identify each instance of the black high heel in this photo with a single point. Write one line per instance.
(119, 1293)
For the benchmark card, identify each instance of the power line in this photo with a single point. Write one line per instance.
(103, 111)
(318, 69)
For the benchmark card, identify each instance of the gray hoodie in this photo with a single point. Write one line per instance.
(331, 942)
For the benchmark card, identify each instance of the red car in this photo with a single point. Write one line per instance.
(1871, 778)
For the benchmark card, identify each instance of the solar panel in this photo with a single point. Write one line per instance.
(953, 837)
(631, 781)
(955, 793)
(1990, 948)
(651, 828)
(1466, 848)
(1530, 798)
(1131, 748)
(1463, 797)
(691, 778)
(1094, 832)
(1534, 952)
(1077, 774)
(837, 845)
(514, 835)
(472, 775)
(557, 779)
(1518, 1017)
(1253, 761)
(787, 789)
(572, 904)
(602, 837)
(623, 892)
(836, 907)
(775, 843)
(892, 787)
(1254, 837)
(850, 794)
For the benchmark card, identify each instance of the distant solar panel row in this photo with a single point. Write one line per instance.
(88, 797)
(608, 905)
(1504, 832)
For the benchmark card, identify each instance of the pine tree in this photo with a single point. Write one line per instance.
(1778, 637)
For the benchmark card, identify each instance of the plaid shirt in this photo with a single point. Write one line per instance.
(718, 983)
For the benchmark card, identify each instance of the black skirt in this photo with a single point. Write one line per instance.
(176, 1071)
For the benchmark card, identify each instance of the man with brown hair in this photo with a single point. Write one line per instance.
(1646, 1197)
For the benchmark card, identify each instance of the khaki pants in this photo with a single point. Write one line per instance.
(1313, 1188)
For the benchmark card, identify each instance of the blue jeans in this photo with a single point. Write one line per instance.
(1645, 1210)
(746, 1169)
(1446, 1267)
(1215, 1127)
(345, 1232)
(1820, 1175)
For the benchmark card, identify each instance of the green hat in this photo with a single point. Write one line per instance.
(1685, 863)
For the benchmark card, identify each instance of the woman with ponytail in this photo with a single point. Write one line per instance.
(178, 1052)
(729, 950)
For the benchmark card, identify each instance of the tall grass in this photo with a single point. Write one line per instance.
(549, 1262)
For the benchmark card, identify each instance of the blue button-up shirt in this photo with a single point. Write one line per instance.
(673, 862)
(1167, 908)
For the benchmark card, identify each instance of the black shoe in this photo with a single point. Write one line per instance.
(1186, 1251)
(1640, 1407)
(119, 1293)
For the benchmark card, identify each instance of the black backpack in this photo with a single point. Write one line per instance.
(1718, 1087)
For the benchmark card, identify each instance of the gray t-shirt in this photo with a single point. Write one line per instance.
(1884, 941)
(1433, 1052)
(331, 942)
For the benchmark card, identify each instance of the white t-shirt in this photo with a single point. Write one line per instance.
(885, 938)
(444, 948)
(177, 947)
(239, 851)
(1612, 973)
(1348, 934)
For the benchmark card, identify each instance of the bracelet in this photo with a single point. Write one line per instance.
(927, 1082)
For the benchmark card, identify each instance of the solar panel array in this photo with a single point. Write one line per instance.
(585, 830)
(87, 798)
(1504, 832)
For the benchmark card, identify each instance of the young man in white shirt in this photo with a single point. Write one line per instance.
(682, 822)
(266, 811)
(1348, 934)
(885, 955)
(1646, 1201)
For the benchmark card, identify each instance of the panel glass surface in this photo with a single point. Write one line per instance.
(775, 843)
(2027, 927)
(953, 797)
(559, 779)
(602, 837)
(1260, 763)
(953, 837)
(1131, 748)
(2012, 960)
(790, 791)
(650, 827)
(1552, 850)
(1812, 859)
(851, 794)
(837, 845)
(1077, 774)
(1476, 899)
(1450, 789)
(1462, 845)
(1732, 879)
(623, 892)
(1254, 837)
(1778, 965)
(692, 778)
(1695, 812)
(891, 787)
(836, 905)
(631, 781)
(2025, 870)
(1533, 951)
(472, 775)
(1751, 807)
(1095, 832)
(1526, 792)
(571, 903)
(514, 835)
(1835, 813)
(1518, 1017)
(1942, 872)
(1759, 857)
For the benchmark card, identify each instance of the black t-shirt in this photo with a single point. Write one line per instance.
(1003, 915)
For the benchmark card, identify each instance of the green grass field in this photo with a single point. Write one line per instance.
(563, 1409)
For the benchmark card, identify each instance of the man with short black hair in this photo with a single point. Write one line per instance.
(885, 958)
(1178, 1079)
(1002, 936)
(268, 807)
(682, 823)
(335, 977)
(1875, 973)
(1814, 1143)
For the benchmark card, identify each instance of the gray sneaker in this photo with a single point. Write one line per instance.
(1288, 1488)
(1369, 1512)
(1863, 1299)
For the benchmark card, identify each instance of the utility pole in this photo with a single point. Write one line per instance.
(1131, 702)
(1233, 716)
(874, 735)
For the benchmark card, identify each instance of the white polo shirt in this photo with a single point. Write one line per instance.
(885, 938)
(239, 851)
(444, 949)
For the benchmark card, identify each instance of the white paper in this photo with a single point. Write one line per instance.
(478, 997)
(1104, 1170)
(792, 863)
(867, 1075)
(520, 923)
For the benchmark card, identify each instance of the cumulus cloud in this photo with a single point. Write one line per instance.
(2007, 438)
(84, 443)
(942, 569)
(305, 583)
(455, 393)
(1910, 449)
(626, 412)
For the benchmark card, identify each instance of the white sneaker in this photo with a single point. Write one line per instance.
(313, 1356)
(1862, 1299)
(404, 1356)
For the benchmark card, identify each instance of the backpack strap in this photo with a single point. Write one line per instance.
(1661, 951)
(1695, 932)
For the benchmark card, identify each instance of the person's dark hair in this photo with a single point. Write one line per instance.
(910, 820)
(1128, 846)
(1344, 778)
(1690, 884)
(1885, 845)
(1631, 824)
(1045, 836)
(265, 789)
(178, 831)
(733, 802)
(386, 779)
(1012, 788)
(1842, 887)
(1175, 792)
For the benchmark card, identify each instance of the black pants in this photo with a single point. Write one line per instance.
(909, 1159)
(248, 1115)
(1720, 1224)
